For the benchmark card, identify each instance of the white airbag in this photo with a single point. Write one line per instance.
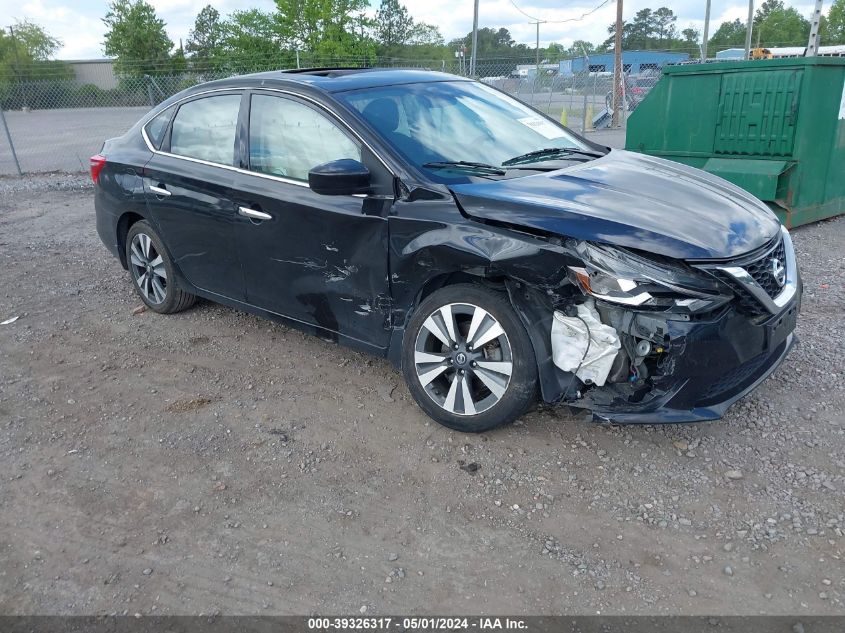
(570, 339)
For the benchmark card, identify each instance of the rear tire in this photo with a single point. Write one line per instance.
(468, 360)
(152, 272)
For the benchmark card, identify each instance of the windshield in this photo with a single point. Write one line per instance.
(456, 121)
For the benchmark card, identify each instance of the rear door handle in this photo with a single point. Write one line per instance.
(253, 214)
(159, 191)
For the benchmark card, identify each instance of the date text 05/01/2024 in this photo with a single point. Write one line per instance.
(416, 624)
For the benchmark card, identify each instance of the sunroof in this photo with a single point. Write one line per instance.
(329, 72)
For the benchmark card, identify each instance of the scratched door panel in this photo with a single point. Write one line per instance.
(318, 259)
(321, 260)
(757, 113)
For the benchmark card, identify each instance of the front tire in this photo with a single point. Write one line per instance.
(151, 269)
(468, 360)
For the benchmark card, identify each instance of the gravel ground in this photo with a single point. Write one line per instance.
(212, 461)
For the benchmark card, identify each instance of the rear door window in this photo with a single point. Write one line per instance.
(205, 129)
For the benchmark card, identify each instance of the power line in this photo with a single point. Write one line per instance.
(578, 19)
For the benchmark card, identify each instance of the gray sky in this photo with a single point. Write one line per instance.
(77, 22)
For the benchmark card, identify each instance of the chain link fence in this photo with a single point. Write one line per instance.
(56, 124)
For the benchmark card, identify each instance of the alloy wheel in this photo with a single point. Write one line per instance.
(463, 358)
(148, 269)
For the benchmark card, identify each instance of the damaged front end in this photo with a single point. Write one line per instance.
(637, 337)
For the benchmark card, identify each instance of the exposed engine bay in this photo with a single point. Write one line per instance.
(608, 346)
(645, 339)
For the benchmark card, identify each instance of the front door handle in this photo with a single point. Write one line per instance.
(253, 214)
(159, 191)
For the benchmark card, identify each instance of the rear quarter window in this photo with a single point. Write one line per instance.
(157, 126)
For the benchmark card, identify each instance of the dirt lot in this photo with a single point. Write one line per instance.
(212, 461)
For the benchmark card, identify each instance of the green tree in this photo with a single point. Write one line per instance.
(728, 35)
(398, 34)
(206, 38)
(640, 31)
(178, 62)
(766, 9)
(664, 26)
(493, 43)
(777, 25)
(251, 41)
(690, 38)
(555, 50)
(833, 25)
(34, 42)
(329, 29)
(137, 38)
(393, 24)
(426, 35)
(26, 52)
(28, 75)
(580, 47)
(341, 42)
(648, 30)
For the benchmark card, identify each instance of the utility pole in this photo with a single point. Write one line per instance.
(815, 36)
(748, 29)
(474, 39)
(587, 124)
(537, 44)
(706, 32)
(617, 66)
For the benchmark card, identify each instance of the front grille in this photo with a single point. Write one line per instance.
(733, 378)
(745, 301)
(759, 266)
(761, 270)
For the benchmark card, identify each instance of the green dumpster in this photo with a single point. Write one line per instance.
(774, 127)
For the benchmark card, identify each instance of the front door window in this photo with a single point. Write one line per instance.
(288, 139)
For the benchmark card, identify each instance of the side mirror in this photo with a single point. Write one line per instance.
(342, 177)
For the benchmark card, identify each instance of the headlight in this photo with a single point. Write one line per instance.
(623, 277)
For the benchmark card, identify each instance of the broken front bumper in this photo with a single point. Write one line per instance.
(712, 365)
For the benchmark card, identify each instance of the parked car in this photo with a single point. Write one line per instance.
(491, 254)
(636, 88)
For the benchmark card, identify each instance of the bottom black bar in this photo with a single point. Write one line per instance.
(531, 624)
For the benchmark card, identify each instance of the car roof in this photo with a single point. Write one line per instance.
(339, 79)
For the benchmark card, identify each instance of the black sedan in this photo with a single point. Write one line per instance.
(490, 253)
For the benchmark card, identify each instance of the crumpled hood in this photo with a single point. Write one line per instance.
(630, 200)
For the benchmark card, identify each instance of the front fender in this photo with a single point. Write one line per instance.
(429, 250)
(535, 310)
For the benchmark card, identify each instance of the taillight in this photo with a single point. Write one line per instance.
(97, 164)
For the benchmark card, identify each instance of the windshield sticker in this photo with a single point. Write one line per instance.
(542, 126)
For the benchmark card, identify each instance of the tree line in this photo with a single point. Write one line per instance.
(327, 30)
(245, 39)
(778, 25)
(319, 32)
